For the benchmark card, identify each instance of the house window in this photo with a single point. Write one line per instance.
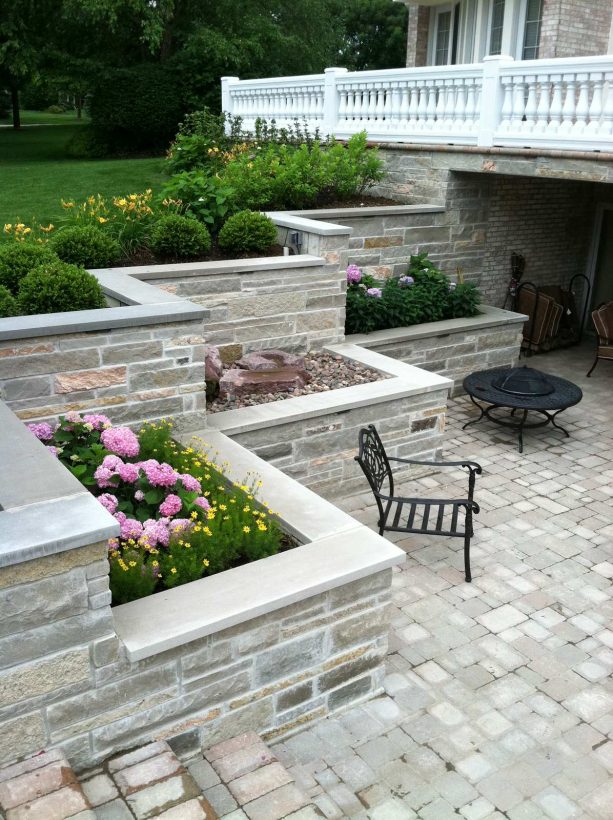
(496, 26)
(446, 35)
(532, 29)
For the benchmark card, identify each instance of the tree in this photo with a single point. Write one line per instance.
(375, 33)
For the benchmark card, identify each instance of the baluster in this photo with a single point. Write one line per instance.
(439, 112)
(471, 107)
(372, 103)
(606, 125)
(450, 104)
(459, 118)
(544, 104)
(507, 105)
(519, 104)
(555, 109)
(568, 109)
(583, 104)
(361, 105)
(393, 114)
(342, 106)
(531, 104)
(349, 114)
(380, 107)
(431, 107)
(422, 110)
(412, 92)
(596, 108)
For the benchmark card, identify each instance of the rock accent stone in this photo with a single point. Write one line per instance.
(237, 382)
(270, 359)
(213, 366)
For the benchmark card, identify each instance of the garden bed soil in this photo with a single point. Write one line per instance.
(365, 201)
(327, 372)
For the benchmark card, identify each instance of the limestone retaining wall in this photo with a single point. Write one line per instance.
(266, 647)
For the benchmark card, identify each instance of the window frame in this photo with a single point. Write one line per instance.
(454, 32)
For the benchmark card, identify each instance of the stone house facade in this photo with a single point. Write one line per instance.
(465, 31)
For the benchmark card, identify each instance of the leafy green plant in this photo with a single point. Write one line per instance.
(8, 303)
(205, 197)
(180, 237)
(56, 286)
(18, 258)
(247, 231)
(86, 246)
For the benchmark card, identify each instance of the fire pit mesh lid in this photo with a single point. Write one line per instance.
(524, 381)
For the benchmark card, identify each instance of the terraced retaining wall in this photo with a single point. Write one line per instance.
(267, 647)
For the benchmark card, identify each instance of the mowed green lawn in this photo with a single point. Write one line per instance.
(35, 172)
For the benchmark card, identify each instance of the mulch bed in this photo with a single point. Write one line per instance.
(328, 372)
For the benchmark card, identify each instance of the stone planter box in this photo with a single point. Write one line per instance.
(313, 438)
(454, 347)
(267, 647)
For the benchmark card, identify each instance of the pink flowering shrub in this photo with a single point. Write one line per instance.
(179, 520)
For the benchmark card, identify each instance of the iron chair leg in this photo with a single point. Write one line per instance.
(468, 533)
(589, 373)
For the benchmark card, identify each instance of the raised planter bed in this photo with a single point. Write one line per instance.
(267, 647)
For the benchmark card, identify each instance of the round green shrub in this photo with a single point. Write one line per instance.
(86, 246)
(179, 237)
(54, 109)
(19, 258)
(247, 231)
(57, 287)
(8, 303)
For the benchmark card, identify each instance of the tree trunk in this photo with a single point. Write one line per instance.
(15, 104)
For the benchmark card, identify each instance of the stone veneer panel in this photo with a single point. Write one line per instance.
(130, 374)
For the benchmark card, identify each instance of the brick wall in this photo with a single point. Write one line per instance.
(65, 680)
(130, 374)
(417, 35)
(575, 28)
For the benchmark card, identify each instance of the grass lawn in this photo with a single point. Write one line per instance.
(35, 171)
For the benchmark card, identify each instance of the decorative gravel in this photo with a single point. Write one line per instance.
(327, 372)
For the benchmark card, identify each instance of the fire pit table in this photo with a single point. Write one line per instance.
(520, 389)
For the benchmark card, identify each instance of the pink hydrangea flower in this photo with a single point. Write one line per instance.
(139, 495)
(190, 483)
(128, 472)
(155, 532)
(103, 477)
(42, 431)
(120, 440)
(129, 527)
(203, 503)
(109, 502)
(160, 475)
(354, 275)
(97, 421)
(55, 451)
(180, 525)
(73, 417)
(170, 506)
(112, 463)
(377, 293)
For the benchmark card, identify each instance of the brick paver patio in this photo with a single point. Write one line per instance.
(498, 701)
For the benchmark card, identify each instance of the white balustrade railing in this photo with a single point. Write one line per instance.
(562, 104)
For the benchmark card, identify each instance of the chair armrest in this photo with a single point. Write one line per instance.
(470, 465)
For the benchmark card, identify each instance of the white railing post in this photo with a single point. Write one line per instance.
(331, 101)
(226, 99)
(491, 99)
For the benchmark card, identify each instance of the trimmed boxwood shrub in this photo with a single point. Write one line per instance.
(19, 258)
(247, 231)
(8, 303)
(179, 237)
(86, 246)
(56, 287)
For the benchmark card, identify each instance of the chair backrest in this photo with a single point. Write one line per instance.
(603, 321)
(373, 460)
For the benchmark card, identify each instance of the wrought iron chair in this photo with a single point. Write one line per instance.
(427, 516)
(603, 323)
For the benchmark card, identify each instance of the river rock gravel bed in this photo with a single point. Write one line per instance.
(327, 372)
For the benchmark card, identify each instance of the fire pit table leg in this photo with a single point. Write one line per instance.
(520, 442)
(552, 418)
(482, 413)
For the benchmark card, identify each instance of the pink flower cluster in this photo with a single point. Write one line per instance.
(120, 440)
(354, 275)
(113, 468)
(42, 431)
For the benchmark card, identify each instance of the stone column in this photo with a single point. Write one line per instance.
(417, 35)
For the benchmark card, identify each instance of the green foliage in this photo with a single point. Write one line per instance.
(17, 259)
(54, 109)
(281, 176)
(247, 231)
(56, 286)
(374, 35)
(205, 197)
(138, 581)
(423, 294)
(8, 303)
(86, 246)
(179, 237)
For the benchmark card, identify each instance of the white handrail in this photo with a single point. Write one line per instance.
(564, 103)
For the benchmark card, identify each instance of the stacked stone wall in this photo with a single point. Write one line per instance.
(65, 680)
(130, 374)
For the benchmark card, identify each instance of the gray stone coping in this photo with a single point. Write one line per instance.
(186, 269)
(487, 317)
(44, 509)
(405, 380)
(340, 550)
(291, 220)
(369, 210)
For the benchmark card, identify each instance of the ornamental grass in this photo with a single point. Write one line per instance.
(180, 518)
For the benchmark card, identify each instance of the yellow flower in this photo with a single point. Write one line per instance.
(205, 562)
(68, 204)
(246, 529)
(246, 508)
(8, 227)
(48, 229)
(132, 563)
(194, 515)
(174, 570)
(102, 220)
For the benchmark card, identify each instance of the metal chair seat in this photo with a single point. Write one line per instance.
(426, 516)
